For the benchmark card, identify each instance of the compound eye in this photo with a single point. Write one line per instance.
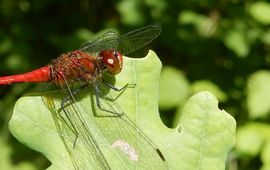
(119, 57)
(115, 53)
(112, 60)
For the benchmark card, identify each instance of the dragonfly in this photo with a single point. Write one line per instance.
(83, 70)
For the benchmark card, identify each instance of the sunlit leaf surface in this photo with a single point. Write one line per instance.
(202, 139)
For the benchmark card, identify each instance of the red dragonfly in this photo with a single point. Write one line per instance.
(82, 68)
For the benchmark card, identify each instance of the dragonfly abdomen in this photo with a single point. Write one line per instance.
(39, 75)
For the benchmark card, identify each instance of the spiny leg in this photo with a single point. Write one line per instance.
(116, 88)
(97, 93)
(120, 90)
(69, 99)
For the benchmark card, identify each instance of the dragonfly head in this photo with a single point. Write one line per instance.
(112, 61)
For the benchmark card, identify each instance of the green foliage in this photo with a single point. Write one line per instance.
(218, 46)
(254, 139)
(201, 85)
(235, 40)
(257, 94)
(172, 81)
(198, 142)
(260, 11)
(5, 159)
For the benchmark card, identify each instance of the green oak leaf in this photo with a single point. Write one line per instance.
(202, 140)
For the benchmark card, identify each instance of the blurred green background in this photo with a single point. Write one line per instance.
(219, 46)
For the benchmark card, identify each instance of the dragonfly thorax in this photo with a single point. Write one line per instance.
(111, 61)
(74, 67)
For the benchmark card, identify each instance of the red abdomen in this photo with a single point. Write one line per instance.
(42, 74)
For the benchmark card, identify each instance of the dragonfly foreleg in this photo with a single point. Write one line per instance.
(97, 92)
(120, 90)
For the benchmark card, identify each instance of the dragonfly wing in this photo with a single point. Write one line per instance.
(137, 39)
(107, 41)
(134, 148)
(75, 134)
(126, 43)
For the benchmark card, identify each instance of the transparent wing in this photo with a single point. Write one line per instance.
(139, 38)
(73, 130)
(96, 139)
(107, 41)
(126, 43)
(133, 146)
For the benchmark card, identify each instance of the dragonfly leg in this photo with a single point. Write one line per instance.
(119, 89)
(70, 125)
(64, 103)
(97, 92)
(70, 96)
